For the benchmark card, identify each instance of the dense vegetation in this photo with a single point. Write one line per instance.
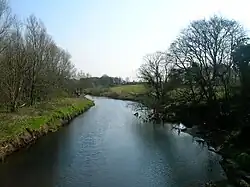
(203, 79)
(35, 82)
(206, 69)
(33, 67)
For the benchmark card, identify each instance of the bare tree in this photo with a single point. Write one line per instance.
(6, 20)
(14, 65)
(203, 51)
(50, 66)
(155, 73)
(32, 66)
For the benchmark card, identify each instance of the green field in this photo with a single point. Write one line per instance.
(34, 117)
(129, 89)
(126, 92)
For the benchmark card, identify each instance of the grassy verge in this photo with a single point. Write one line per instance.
(29, 123)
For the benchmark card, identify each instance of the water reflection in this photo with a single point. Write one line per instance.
(109, 146)
(184, 158)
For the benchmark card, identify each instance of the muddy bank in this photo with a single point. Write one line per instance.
(29, 136)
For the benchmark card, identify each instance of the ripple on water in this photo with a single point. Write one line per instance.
(109, 146)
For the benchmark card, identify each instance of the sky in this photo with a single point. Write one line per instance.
(112, 36)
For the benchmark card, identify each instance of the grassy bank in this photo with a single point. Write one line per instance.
(20, 129)
(123, 92)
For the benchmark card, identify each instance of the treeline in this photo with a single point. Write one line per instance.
(103, 81)
(203, 77)
(32, 66)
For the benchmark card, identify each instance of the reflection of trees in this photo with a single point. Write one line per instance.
(158, 150)
(144, 111)
(179, 159)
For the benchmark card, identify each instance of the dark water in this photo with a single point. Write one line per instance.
(108, 146)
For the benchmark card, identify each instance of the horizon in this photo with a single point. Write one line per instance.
(110, 37)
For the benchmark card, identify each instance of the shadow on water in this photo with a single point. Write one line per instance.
(109, 146)
(182, 161)
(27, 167)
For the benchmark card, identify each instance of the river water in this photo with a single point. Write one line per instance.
(108, 147)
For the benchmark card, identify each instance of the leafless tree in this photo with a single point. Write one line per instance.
(203, 51)
(32, 66)
(14, 65)
(155, 72)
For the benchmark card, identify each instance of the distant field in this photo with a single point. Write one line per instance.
(125, 92)
(129, 89)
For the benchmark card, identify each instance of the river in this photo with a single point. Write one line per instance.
(109, 146)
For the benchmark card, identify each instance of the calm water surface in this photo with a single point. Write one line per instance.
(109, 146)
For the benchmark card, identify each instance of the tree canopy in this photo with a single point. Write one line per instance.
(203, 66)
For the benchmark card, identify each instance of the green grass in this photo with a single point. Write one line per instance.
(124, 92)
(34, 117)
(129, 89)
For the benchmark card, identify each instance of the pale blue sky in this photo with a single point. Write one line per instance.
(112, 36)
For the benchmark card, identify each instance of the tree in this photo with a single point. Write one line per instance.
(203, 51)
(14, 65)
(241, 58)
(196, 76)
(49, 65)
(32, 67)
(37, 44)
(154, 72)
(6, 20)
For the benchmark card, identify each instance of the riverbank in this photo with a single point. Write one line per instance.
(87, 151)
(23, 128)
(219, 141)
(236, 158)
